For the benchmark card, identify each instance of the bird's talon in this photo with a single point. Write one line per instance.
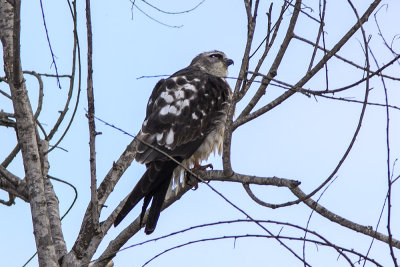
(191, 180)
(202, 168)
(169, 99)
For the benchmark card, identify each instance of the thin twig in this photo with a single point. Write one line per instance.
(40, 98)
(76, 56)
(343, 58)
(51, 49)
(112, 216)
(245, 118)
(154, 19)
(325, 241)
(174, 12)
(235, 237)
(366, 230)
(311, 214)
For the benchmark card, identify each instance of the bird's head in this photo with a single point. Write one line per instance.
(214, 62)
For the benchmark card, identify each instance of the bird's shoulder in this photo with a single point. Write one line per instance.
(181, 111)
(186, 85)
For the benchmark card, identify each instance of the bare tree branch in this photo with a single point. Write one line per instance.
(92, 126)
(279, 27)
(48, 41)
(246, 116)
(52, 203)
(10, 37)
(366, 230)
(275, 65)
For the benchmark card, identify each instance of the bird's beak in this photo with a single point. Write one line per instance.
(228, 62)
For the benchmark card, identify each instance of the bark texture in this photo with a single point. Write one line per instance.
(10, 38)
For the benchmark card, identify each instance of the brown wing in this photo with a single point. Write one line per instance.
(181, 111)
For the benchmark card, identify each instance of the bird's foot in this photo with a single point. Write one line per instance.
(202, 167)
(191, 179)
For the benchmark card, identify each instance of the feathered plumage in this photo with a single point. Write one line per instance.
(185, 118)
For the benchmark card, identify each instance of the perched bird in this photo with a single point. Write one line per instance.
(185, 118)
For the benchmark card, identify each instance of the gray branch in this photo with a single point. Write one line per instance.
(10, 33)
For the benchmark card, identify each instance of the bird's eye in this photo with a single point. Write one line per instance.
(219, 56)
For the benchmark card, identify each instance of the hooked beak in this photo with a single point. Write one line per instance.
(228, 62)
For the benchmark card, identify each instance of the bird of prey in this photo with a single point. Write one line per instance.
(185, 118)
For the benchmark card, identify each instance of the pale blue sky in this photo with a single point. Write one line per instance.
(302, 139)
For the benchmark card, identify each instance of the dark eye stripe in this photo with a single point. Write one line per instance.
(216, 55)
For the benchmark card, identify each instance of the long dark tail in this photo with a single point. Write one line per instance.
(153, 185)
(155, 209)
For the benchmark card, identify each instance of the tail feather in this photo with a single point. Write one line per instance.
(146, 184)
(152, 185)
(146, 202)
(155, 209)
(130, 203)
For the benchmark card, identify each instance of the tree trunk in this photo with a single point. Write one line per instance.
(10, 38)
